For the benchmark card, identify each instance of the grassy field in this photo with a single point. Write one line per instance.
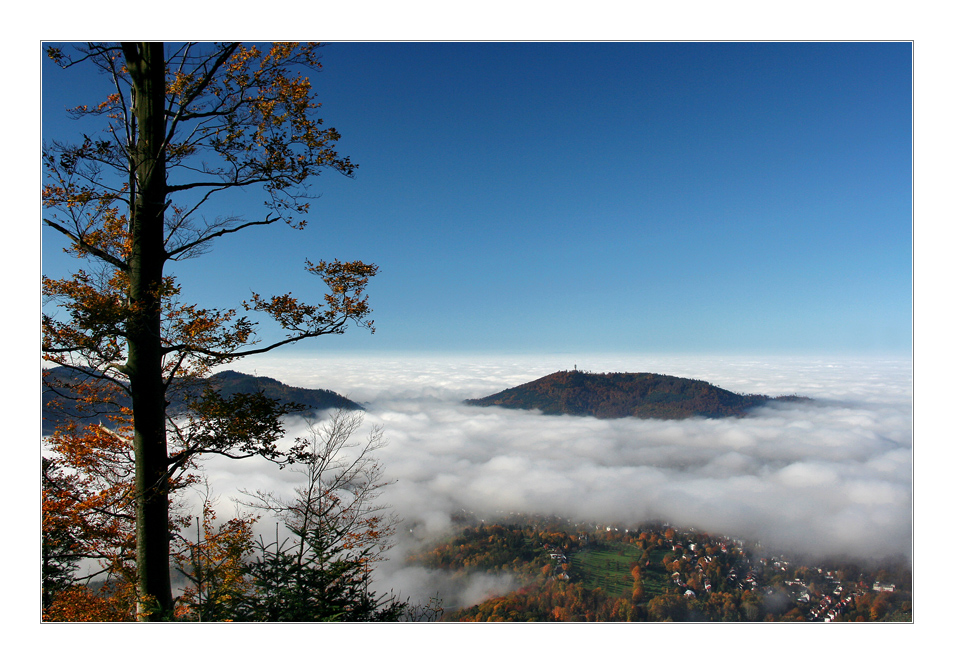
(607, 567)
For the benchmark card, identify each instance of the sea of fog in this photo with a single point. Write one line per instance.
(833, 476)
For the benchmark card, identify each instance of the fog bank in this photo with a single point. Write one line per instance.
(832, 476)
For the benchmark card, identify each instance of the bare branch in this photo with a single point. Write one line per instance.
(89, 248)
(172, 253)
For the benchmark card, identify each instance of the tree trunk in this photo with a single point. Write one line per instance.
(146, 65)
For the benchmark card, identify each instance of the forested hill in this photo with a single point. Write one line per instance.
(611, 395)
(232, 382)
(58, 396)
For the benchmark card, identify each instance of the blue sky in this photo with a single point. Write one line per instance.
(580, 197)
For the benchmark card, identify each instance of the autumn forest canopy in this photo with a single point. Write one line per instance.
(138, 394)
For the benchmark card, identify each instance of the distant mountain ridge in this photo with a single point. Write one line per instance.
(231, 382)
(59, 408)
(615, 395)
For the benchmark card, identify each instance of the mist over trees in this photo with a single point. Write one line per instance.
(143, 399)
(185, 125)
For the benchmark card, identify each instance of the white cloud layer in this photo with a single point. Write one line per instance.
(832, 476)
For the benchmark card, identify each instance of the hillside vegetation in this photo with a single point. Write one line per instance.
(585, 572)
(612, 395)
(60, 394)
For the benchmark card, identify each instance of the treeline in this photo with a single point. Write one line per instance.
(560, 601)
(614, 395)
(551, 601)
(228, 383)
(64, 387)
(557, 601)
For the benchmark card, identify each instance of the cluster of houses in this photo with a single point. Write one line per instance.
(559, 559)
(799, 591)
(829, 605)
(821, 605)
(701, 563)
(749, 581)
(827, 610)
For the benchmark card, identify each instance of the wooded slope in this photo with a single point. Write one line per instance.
(59, 396)
(612, 395)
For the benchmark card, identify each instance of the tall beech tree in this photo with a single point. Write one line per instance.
(184, 125)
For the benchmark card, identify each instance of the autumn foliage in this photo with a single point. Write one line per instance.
(186, 125)
(654, 573)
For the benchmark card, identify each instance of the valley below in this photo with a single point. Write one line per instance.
(591, 572)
